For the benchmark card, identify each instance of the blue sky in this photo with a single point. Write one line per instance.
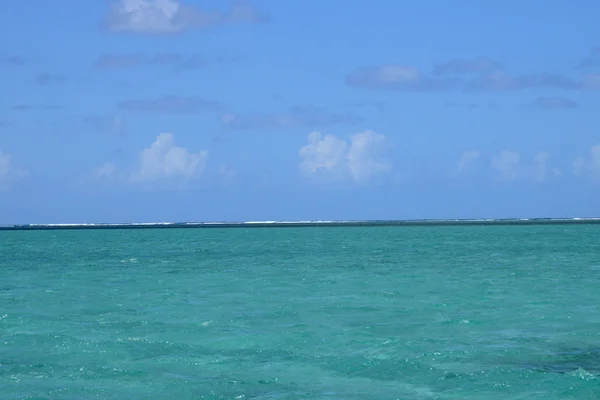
(190, 110)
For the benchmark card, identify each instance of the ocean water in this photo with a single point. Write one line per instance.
(422, 312)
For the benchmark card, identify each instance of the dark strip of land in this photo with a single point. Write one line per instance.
(487, 222)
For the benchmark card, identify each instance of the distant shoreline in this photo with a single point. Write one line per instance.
(299, 224)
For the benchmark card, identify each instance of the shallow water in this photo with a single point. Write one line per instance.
(483, 312)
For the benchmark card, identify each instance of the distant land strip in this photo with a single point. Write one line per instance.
(306, 224)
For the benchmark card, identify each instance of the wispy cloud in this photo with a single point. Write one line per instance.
(509, 166)
(114, 125)
(592, 60)
(591, 81)
(398, 78)
(467, 158)
(541, 171)
(173, 105)
(298, 116)
(166, 58)
(193, 62)
(481, 74)
(119, 61)
(553, 103)
(463, 67)
(226, 174)
(106, 170)
(15, 60)
(48, 78)
(155, 17)
(36, 107)
(500, 81)
(589, 165)
(468, 106)
(378, 105)
(177, 61)
(9, 172)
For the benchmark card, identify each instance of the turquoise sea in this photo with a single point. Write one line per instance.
(371, 312)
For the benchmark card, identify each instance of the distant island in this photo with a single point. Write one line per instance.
(297, 224)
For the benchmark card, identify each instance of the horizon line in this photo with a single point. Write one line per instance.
(307, 223)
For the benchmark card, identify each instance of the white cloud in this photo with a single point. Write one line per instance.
(5, 161)
(508, 164)
(541, 170)
(589, 164)
(362, 157)
(163, 159)
(324, 153)
(105, 170)
(173, 16)
(357, 160)
(466, 159)
(226, 174)
(578, 165)
(9, 173)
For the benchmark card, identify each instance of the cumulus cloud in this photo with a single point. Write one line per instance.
(357, 160)
(298, 116)
(590, 164)
(165, 160)
(172, 16)
(163, 163)
(542, 171)
(508, 165)
(9, 172)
